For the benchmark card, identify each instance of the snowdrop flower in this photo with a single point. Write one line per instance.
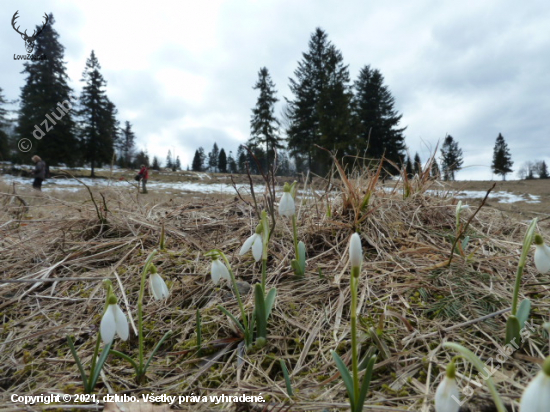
(446, 395)
(113, 322)
(536, 396)
(286, 205)
(542, 255)
(158, 287)
(255, 242)
(219, 271)
(355, 251)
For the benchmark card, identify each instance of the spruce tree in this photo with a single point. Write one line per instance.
(46, 92)
(242, 159)
(417, 164)
(4, 146)
(156, 164)
(196, 165)
(263, 124)
(451, 158)
(231, 164)
(169, 161)
(127, 143)
(98, 116)
(222, 161)
(177, 164)
(142, 158)
(376, 119)
(502, 160)
(213, 158)
(111, 128)
(543, 171)
(409, 169)
(319, 113)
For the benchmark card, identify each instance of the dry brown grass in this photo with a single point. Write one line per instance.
(55, 256)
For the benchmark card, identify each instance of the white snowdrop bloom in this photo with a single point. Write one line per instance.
(446, 395)
(286, 205)
(219, 271)
(114, 322)
(542, 258)
(158, 287)
(536, 397)
(355, 251)
(254, 242)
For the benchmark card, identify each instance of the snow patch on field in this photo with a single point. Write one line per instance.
(223, 188)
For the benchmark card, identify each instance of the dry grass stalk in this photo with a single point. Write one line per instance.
(413, 306)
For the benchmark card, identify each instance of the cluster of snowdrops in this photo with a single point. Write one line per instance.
(254, 324)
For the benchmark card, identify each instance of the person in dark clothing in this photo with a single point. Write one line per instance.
(144, 173)
(39, 172)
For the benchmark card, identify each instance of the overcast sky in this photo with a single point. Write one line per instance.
(182, 72)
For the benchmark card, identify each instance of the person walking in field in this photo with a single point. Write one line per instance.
(39, 172)
(144, 173)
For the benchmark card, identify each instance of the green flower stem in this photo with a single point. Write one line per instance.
(295, 234)
(109, 286)
(236, 289)
(96, 353)
(144, 273)
(527, 240)
(474, 360)
(264, 274)
(265, 240)
(354, 356)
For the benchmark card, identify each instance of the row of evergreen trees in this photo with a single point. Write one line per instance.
(253, 161)
(327, 111)
(88, 132)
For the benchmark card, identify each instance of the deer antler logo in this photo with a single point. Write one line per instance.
(29, 40)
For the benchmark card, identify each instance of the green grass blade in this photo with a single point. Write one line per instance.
(287, 378)
(269, 301)
(512, 330)
(346, 377)
(365, 385)
(233, 318)
(295, 265)
(523, 312)
(127, 358)
(166, 335)
(78, 363)
(260, 307)
(100, 362)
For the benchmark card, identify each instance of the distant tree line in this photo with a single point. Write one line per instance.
(357, 122)
(67, 129)
(326, 111)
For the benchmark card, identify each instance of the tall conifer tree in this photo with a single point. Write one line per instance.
(222, 161)
(502, 160)
(4, 146)
(376, 118)
(451, 158)
(127, 144)
(99, 126)
(213, 158)
(319, 113)
(44, 93)
(417, 164)
(263, 124)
